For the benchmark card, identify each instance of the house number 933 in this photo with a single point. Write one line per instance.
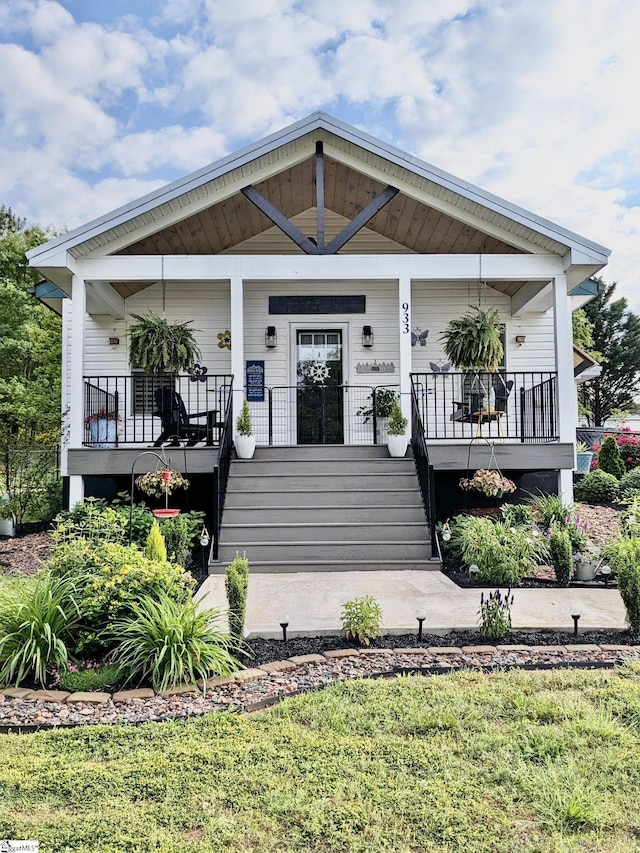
(405, 318)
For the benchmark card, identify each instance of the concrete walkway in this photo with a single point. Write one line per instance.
(313, 602)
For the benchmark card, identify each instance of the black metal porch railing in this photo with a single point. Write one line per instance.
(123, 409)
(221, 472)
(519, 406)
(538, 411)
(322, 414)
(423, 468)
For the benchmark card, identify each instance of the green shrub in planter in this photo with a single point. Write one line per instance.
(609, 458)
(167, 643)
(561, 555)
(502, 552)
(623, 555)
(362, 619)
(38, 617)
(236, 583)
(597, 487)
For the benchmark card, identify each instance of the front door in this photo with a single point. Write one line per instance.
(319, 402)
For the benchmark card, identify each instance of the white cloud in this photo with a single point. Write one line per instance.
(529, 100)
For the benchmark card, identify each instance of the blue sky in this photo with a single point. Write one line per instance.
(102, 101)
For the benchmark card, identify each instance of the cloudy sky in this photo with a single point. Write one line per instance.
(536, 101)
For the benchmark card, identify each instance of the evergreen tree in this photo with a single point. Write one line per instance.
(616, 339)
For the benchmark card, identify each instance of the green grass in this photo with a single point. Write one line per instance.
(501, 762)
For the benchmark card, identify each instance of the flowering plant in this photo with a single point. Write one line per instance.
(490, 483)
(102, 414)
(161, 482)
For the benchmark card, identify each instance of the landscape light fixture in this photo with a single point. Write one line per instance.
(284, 624)
(575, 615)
(473, 570)
(605, 571)
(367, 337)
(270, 337)
(446, 533)
(421, 615)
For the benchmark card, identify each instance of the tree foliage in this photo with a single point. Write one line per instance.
(616, 339)
(30, 347)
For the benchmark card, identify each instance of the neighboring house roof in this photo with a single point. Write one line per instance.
(291, 148)
(584, 366)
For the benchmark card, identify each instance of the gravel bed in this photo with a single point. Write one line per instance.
(265, 688)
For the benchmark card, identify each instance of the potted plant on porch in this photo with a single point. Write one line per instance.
(245, 441)
(397, 431)
(157, 346)
(103, 427)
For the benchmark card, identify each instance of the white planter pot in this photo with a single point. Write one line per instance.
(397, 445)
(586, 569)
(245, 446)
(8, 526)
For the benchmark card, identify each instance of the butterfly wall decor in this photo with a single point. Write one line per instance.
(440, 368)
(419, 336)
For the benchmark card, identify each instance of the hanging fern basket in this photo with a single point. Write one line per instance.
(157, 346)
(473, 340)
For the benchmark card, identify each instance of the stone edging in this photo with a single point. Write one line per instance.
(250, 689)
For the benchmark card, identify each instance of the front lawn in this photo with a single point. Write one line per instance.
(546, 761)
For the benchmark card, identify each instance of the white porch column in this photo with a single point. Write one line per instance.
(76, 380)
(237, 344)
(404, 320)
(566, 383)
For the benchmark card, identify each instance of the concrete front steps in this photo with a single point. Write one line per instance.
(324, 508)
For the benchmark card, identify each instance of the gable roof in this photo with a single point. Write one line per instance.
(177, 199)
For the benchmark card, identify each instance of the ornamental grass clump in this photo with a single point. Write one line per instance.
(166, 643)
(489, 482)
(38, 617)
(362, 619)
(495, 614)
(503, 553)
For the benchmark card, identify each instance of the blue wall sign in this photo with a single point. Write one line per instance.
(255, 381)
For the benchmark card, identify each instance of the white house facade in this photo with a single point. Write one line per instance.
(316, 266)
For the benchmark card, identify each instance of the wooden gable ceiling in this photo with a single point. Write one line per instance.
(417, 226)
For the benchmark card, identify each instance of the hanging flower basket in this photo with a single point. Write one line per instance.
(489, 482)
(161, 483)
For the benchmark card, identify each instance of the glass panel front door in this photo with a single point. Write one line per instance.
(319, 401)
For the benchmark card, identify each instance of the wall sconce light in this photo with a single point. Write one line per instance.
(367, 337)
(270, 337)
(520, 339)
(113, 342)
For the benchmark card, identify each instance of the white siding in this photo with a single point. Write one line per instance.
(435, 303)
